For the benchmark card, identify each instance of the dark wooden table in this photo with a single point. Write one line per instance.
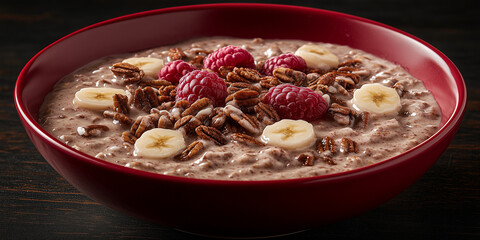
(37, 203)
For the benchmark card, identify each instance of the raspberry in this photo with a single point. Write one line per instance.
(173, 71)
(294, 102)
(229, 56)
(286, 60)
(202, 83)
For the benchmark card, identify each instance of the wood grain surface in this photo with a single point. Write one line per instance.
(37, 203)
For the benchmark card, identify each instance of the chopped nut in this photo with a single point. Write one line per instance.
(165, 122)
(362, 119)
(246, 139)
(192, 150)
(319, 88)
(225, 70)
(197, 61)
(266, 113)
(197, 106)
(326, 144)
(176, 54)
(145, 99)
(268, 82)
(157, 83)
(246, 98)
(188, 123)
(167, 90)
(128, 137)
(184, 104)
(166, 105)
(143, 124)
(237, 86)
(218, 118)
(348, 146)
(211, 134)
(249, 123)
(327, 79)
(306, 159)
(341, 114)
(120, 117)
(151, 95)
(130, 73)
(291, 76)
(120, 103)
(347, 80)
(92, 130)
(350, 63)
(243, 75)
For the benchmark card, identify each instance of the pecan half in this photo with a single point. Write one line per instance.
(243, 75)
(351, 63)
(249, 123)
(128, 137)
(168, 90)
(165, 122)
(188, 123)
(197, 61)
(348, 117)
(246, 98)
(291, 76)
(120, 103)
(218, 118)
(211, 134)
(225, 70)
(246, 139)
(266, 113)
(326, 79)
(92, 130)
(348, 146)
(268, 82)
(143, 124)
(145, 99)
(319, 88)
(192, 150)
(237, 86)
(197, 106)
(326, 144)
(362, 119)
(176, 54)
(306, 159)
(347, 80)
(120, 117)
(342, 115)
(157, 83)
(130, 73)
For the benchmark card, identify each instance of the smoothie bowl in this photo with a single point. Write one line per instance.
(199, 132)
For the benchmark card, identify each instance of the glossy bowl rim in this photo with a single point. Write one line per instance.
(447, 127)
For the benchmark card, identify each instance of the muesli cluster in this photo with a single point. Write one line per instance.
(242, 109)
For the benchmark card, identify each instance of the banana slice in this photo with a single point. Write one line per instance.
(96, 98)
(376, 98)
(159, 143)
(150, 66)
(317, 56)
(289, 134)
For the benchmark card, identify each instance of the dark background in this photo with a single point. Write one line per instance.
(37, 203)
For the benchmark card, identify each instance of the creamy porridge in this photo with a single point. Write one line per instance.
(265, 109)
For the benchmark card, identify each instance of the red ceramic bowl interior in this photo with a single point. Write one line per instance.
(239, 207)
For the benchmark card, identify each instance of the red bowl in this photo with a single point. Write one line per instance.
(239, 208)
